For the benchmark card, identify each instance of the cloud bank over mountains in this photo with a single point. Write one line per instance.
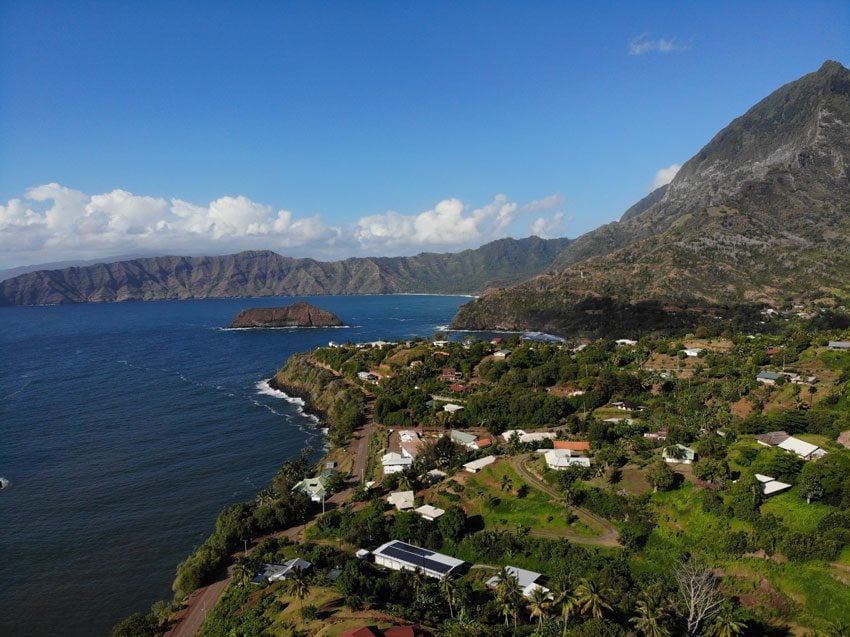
(52, 222)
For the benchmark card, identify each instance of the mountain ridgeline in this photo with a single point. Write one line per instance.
(265, 273)
(760, 215)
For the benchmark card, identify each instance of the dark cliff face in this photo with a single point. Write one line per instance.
(265, 273)
(299, 314)
(760, 215)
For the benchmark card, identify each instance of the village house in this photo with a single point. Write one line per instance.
(781, 439)
(428, 512)
(477, 465)
(367, 377)
(692, 352)
(559, 459)
(625, 342)
(679, 454)
(661, 434)
(401, 556)
(572, 445)
(528, 437)
(528, 581)
(276, 572)
(840, 346)
(464, 438)
(450, 374)
(502, 353)
(770, 486)
(627, 405)
(393, 462)
(410, 443)
(401, 500)
(451, 407)
(768, 378)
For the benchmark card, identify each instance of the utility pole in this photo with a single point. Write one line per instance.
(246, 546)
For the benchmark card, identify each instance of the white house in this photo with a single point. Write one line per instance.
(401, 556)
(401, 500)
(429, 513)
(625, 342)
(477, 465)
(528, 580)
(393, 462)
(502, 353)
(368, 377)
(692, 352)
(843, 346)
(769, 486)
(679, 454)
(559, 459)
(451, 407)
(805, 450)
(410, 443)
(526, 437)
(768, 378)
(464, 438)
(277, 572)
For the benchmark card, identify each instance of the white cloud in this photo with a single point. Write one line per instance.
(53, 222)
(664, 176)
(547, 203)
(642, 44)
(449, 223)
(548, 228)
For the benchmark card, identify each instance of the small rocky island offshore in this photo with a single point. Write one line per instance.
(298, 314)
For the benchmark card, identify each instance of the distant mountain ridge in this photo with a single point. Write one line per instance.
(760, 215)
(266, 273)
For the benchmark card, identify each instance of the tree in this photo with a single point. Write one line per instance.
(660, 476)
(539, 603)
(507, 484)
(651, 618)
(566, 603)
(592, 598)
(699, 595)
(242, 571)
(726, 624)
(452, 524)
(450, 590)
(508, 594)
(298, 586)
(811, 487)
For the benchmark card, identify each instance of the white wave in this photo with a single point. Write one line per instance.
(4, 483)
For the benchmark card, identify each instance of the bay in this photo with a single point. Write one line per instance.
(125, 428)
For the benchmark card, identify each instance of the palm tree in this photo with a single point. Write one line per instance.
(298, 586)
(265, 497)
(566, 602)
(508, 594)
(242, 571)
(539, 603)
(592, 598)
(726, 624)
(507, 483)
(651, 619)
(451, 592)
(419, 581)
(404, 481)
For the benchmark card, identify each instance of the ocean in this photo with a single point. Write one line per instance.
(125, 428)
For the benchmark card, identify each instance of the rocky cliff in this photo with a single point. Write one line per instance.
(299, 314)
(265, 273)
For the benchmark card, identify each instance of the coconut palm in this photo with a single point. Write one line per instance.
(265, 497)
(566, 603)
(539, 603)
(404, 481)
(451, 592)
(298, 586)
(651, 618)
(242, 571)
(508, 594)
(507, 483)
(727, 625)
(592, 598)
(419, 581)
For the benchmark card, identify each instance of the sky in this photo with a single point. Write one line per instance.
(334, 129)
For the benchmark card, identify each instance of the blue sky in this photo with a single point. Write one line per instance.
(338, 128)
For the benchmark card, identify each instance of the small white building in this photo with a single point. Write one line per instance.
(277, 572)
(841, 346)
(477, 465)
(528, 437)
(393, 462)
(679, 454)
(625, 342)
(452, 408)
(769, 486)
(805, 450)
(401, 500)
(502, 353)
(692, 352)
(528, 581)
(429, 512)
(559, 459)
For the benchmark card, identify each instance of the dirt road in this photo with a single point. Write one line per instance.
(609, 532)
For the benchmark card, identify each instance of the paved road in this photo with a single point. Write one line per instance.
(609, 532)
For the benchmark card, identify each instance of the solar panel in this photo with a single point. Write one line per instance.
(416, 560)
(413, 549)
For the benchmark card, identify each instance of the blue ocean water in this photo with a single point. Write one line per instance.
(125, 429)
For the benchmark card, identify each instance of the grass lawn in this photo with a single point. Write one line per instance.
(795, 513)
(505, 509)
